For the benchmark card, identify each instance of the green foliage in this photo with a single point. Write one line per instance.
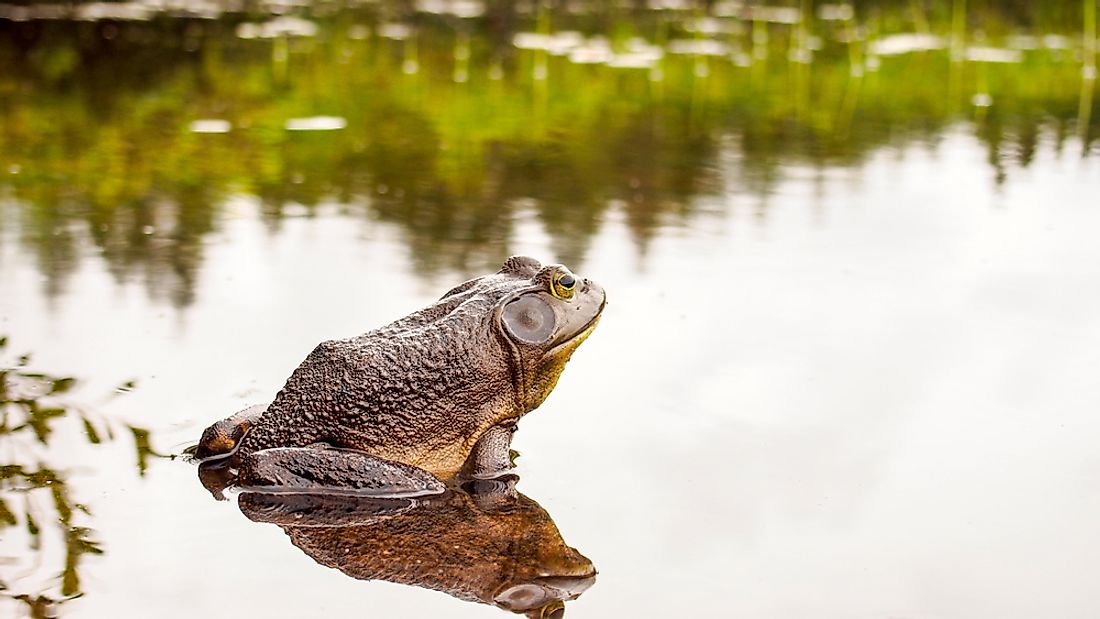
(98, 129)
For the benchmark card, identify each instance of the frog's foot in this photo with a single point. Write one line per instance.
(222, 439)
(328, 470)
(491, 457)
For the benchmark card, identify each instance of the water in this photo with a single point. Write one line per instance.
(848, 363)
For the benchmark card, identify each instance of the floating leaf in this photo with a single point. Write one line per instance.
(3, 341)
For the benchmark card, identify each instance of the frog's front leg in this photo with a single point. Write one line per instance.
(491, 456)
(323, 469)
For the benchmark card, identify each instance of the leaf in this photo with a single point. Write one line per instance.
(3, 341)
(7, 517)
(144, 449)
(61, 385)
(35, 532)
(70, 580)
(61, 502)
(9, 471)
(40, 418)
(89, 430)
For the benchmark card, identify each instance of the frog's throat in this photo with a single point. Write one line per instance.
(515, 366)
(545, 371)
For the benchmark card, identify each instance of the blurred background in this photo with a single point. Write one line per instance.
(848, 366)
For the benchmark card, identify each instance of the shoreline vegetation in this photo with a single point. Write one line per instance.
(127, 129)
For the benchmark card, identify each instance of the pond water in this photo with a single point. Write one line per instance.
(848, 364)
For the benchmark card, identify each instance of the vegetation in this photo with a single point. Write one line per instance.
(453, 123)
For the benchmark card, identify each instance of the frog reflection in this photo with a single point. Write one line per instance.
(483, 542)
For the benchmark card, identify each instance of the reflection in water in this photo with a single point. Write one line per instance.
(455, 124)
(38, 501)
(482, 543)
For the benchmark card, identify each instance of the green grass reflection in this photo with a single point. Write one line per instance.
(453, 123)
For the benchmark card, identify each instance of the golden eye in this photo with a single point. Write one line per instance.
(563, 285)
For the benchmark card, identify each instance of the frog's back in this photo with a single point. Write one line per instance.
(419, 385)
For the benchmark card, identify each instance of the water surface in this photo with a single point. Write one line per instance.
(848, 363)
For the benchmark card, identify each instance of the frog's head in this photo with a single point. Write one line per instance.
(546, 315)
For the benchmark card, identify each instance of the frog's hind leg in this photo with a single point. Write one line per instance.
(329, 470)
(222, 439)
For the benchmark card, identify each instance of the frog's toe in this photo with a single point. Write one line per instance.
(334, 471)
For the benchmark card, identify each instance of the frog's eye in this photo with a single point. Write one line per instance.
(563, 285)
(529, 319)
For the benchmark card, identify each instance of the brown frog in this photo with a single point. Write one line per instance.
(424, 400)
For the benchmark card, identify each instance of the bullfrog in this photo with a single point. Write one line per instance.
(428, 399)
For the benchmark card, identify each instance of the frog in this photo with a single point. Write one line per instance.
(431, 398)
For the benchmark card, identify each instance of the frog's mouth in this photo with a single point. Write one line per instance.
(582, 334)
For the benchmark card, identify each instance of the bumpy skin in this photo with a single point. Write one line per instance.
(425, 389)
(499, 548)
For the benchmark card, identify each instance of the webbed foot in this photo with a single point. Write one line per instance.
(334, 471)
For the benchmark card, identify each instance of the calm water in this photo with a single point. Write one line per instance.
(847, 369)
